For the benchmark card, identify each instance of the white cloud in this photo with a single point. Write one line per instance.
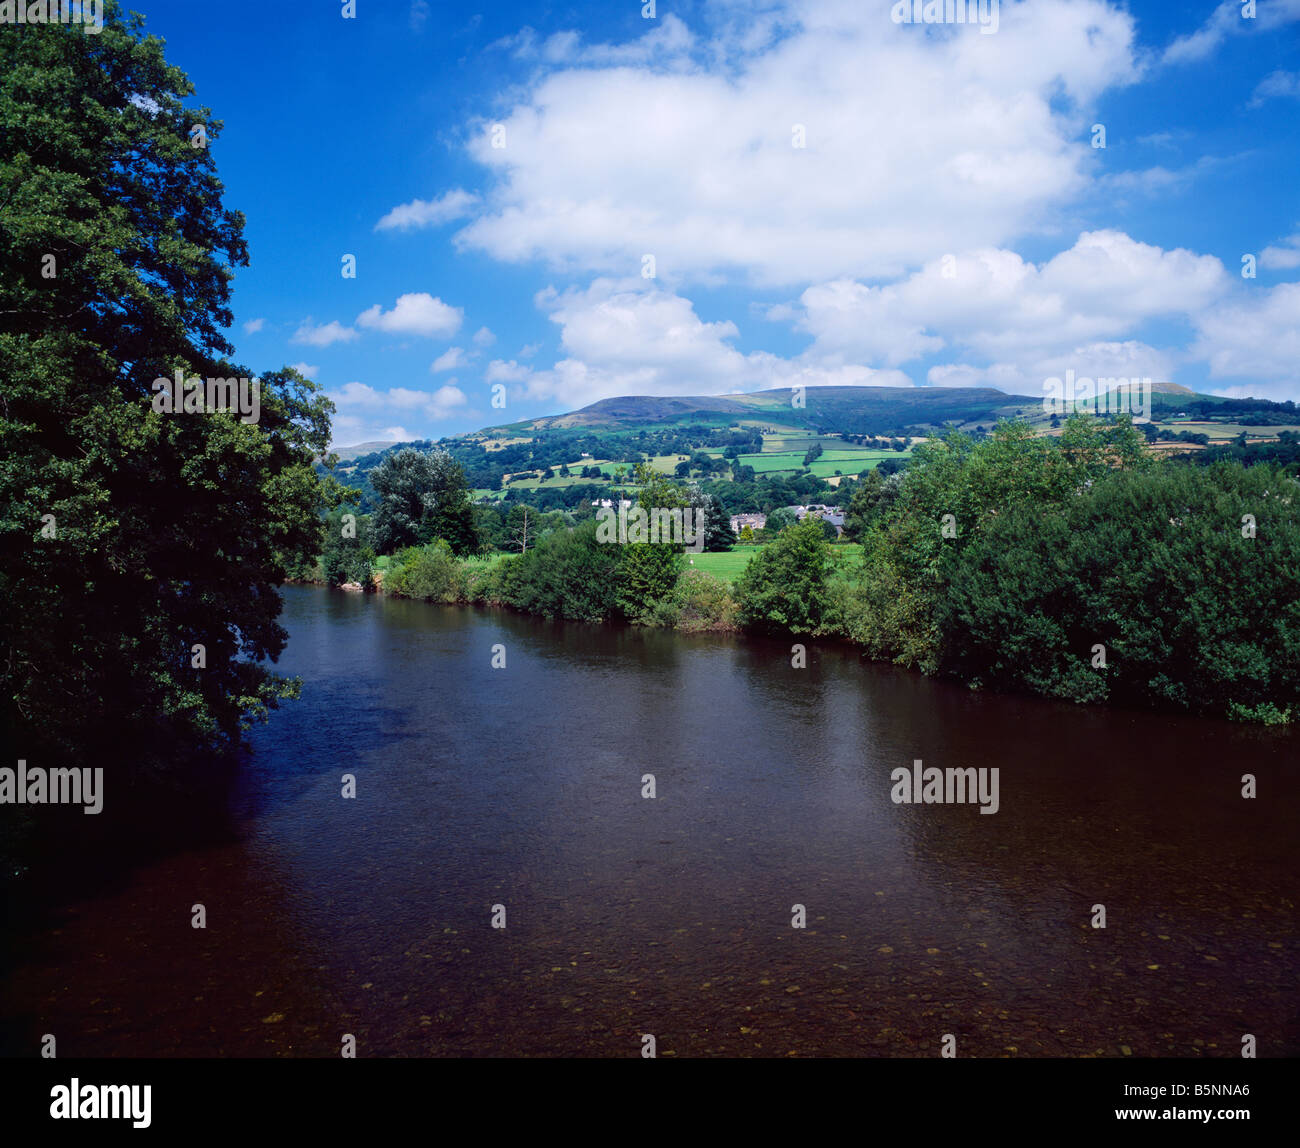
(446, 400)
(414, 314)
(916, 145)
(1257, 337)
(324, 335)
(419, 15)
(306, 370)
(528, 350)
(364, 404)
(1011, 315)
(666, 40)
(1276, 85)
(1230, 19)
(449, 360)
(484, 338)
(629, 339)
(499, 371)
(455, 204)
(1027, 373)
(253, 326)
(1283, 258)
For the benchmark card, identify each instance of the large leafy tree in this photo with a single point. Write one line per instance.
(711, 516)
(423, 495)
(131, 538)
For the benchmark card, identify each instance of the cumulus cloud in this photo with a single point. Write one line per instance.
(1282, 258)
(1257, 336)
(499, 371)
(914, 145)
(449, 360)
(484, 338)
(414, 314)
(361, 405)
(324, 335)
(307, 370)
(253, 326)
(623, 338)
(455, 204)
(1011, 315)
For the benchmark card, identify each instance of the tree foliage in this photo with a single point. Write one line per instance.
(422, 496)
(131, 537)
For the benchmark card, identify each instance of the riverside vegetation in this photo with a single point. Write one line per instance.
(1076, 567)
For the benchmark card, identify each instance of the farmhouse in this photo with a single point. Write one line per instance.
(753, 521)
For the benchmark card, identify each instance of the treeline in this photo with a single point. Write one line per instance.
(1076, 567)
(1284, 453)
(546, 453)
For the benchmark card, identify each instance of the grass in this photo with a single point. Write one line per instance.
(848, 461)
(730, 564)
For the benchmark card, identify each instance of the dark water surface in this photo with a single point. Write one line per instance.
(522, 787)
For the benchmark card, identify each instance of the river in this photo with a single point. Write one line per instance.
(521, 787)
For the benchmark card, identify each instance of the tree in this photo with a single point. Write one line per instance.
(521, 527)
(786, 586)
(347, 555)
(423, 495)
(710, 516)
(649, 570)
(142, 548)
(1187, 580)
(778, 520)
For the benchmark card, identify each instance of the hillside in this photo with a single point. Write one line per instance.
(757, 450)
(854, 410)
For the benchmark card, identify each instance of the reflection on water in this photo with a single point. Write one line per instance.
(522, 787)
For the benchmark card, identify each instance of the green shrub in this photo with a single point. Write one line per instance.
(428, 573)
(704, 602)
(786, 586)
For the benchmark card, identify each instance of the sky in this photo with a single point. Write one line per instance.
(558, 204)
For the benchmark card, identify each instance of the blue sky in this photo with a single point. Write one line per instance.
(830, 196)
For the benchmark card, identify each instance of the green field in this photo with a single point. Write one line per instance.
(724, 564)
(729, 564)
(846, 460)
(1224, 432)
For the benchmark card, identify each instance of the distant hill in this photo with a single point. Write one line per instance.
(774, 436)
(852, 410)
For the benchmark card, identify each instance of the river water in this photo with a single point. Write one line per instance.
(521, 787)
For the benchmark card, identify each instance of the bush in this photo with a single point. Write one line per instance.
(786, 586)
(704, 602)
(1156, 567)
(427, 573)
(569, 574)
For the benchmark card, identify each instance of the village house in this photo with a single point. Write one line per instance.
(753, 521)
(832, 514)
